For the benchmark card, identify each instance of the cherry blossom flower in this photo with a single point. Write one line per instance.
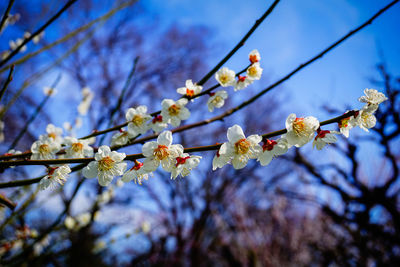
(121, 138)
(254, 56)
(137, 173)
(300, 131)
(217, 100)
(239, 148)
(158, 124)
(184, 164)
(225, 77)
(324, 137)
(242, 82)
(44, 148)
(254, 72)
(56, 176)
(107, 165)
(220, 161)
(17, 43)
(373, 97)
(162, 152)
(346, 124)
(190, 90)
(271, 149)
(365, 120)
(137, 118)
(77, 148)
(173, 112)
(54, 133)
(87, 97)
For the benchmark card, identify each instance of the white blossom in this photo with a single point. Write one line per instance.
(137, 118)
(17, 43)
(242, 82)
(121, 138)
(184, 164)
(137, 173)
(271, 149)
(44, 149)
(161, 152)
(239, 148)
(324, 137)
(70, 222)
(220, 161)
(365, 120)
(373, 97)
(54, 133)
(190, 90)
(77, 148)
(107, 164)
(346, 124)
(56, 176)
(158, 124)
(254, 56)
(300, 131)
(217, 100)
(254, 72)
(225, 77)
(87, 97)
(173, 112)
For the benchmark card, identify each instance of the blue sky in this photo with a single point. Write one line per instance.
(296, 31)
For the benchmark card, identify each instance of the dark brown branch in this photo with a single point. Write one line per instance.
(5, 16)
(9, 79)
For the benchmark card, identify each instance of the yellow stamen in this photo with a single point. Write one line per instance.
(242, 146)
(138, 120)
(161, 152)
(106, 164)
(77, 147)
(174, 110)
(299, 126)
(44, 149)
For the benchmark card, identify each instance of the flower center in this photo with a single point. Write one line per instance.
(52, 135)
(174, 110)
(189, 92)
(138, 120)
(106, 164)
(253, 71)
(224, 78)
(161, 152)
(299, 126)
(242, 146)
(269, 145)
(44, 149)
(77, 147)
(218, 99)
(344, 123)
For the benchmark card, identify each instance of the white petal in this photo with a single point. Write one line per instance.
(91, 170)
(148, 148)
(235, 133)
(165, 138)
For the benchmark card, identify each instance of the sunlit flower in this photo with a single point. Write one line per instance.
(39, 246)
(184, 164)
(44, 149)
(87, 97)
(271, 149)
(225, 77)
(173, 112)
(190, 90)
(38, 37)
(137, 173)
(54, 133)
(217, 100)
(220, 161)
(242, 82)
(77, 148)
(69, 222)
(121, 138)
(346, 124)
(107, 165)
(365, 120)
(239, 148)
(300, 131)
(17, 43)
(254, 72)
(254, 56)
(83, 219)
(55, 176)
(137, 118)
(158, 124)
(162, 152)
(372, 97)
(324, 137)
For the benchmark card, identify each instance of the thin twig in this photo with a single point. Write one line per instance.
(36, 33)
(6, 202)
(5, 16)
(9, 79)
(239, 45)
(34, 114)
